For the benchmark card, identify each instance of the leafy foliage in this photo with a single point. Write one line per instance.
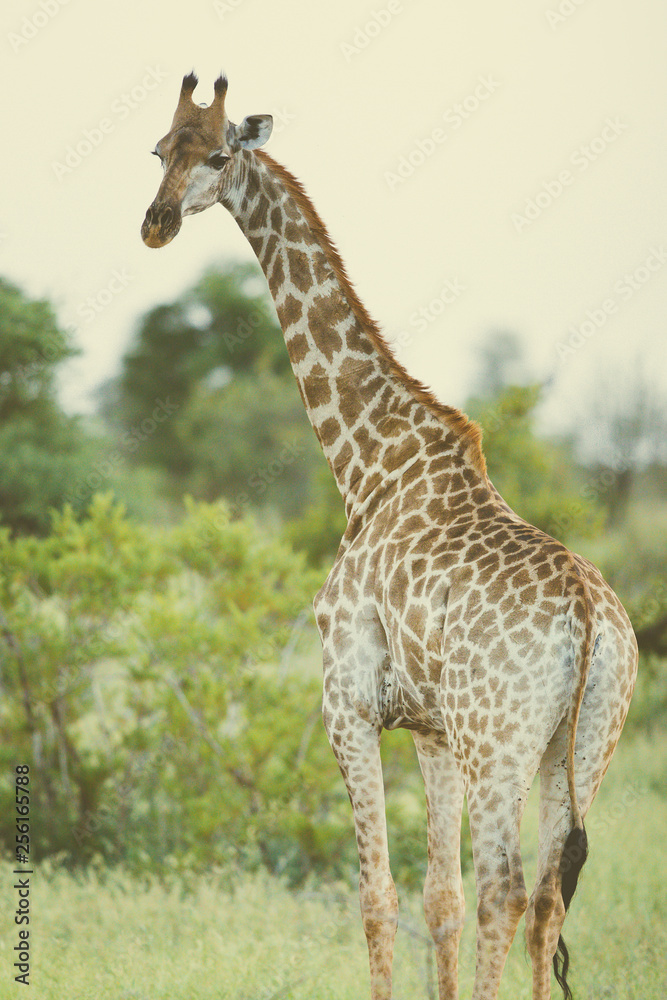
(152, 680)
(217, 357)
(158, 679)
(41, 448)
(320, 528)
(534, 476)
(250, 443)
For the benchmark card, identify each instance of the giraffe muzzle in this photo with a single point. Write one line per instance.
(161, 224)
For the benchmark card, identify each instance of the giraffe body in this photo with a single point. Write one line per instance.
(444, 613)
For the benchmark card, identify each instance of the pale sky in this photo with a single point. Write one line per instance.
(481, 166)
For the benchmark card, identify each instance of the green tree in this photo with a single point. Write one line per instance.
(623, 437)
(501, 362)
(217, 360)
(318, 531)
(251, 443)
(534, 475)
(139, 670)
(41, 448)
(164, 687)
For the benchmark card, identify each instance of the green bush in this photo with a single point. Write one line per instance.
(159, 683)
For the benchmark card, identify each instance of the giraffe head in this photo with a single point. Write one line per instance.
(197, 154)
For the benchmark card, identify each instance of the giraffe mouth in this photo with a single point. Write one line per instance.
(161, 224)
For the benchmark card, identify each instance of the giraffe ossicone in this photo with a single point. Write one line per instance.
(445, 612)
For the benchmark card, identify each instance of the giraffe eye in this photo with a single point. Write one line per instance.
(218, 160)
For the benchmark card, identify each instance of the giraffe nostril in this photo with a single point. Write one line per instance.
(161, 216)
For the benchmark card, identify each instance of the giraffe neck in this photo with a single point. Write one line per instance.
(371, 418)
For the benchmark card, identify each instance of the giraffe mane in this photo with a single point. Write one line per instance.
(468, 431)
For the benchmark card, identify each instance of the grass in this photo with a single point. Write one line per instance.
(102, 934)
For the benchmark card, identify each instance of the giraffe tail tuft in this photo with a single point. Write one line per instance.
(575, 852)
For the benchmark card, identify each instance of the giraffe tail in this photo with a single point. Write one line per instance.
(575, 849)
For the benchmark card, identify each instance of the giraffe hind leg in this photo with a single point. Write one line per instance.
(501, 890)
(573, 858)
(561, 854)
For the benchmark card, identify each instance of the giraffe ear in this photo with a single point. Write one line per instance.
(251, 133)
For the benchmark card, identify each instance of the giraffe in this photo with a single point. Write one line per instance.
(444, 612)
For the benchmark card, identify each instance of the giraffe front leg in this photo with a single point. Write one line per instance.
(444, 903)
(356, 746)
